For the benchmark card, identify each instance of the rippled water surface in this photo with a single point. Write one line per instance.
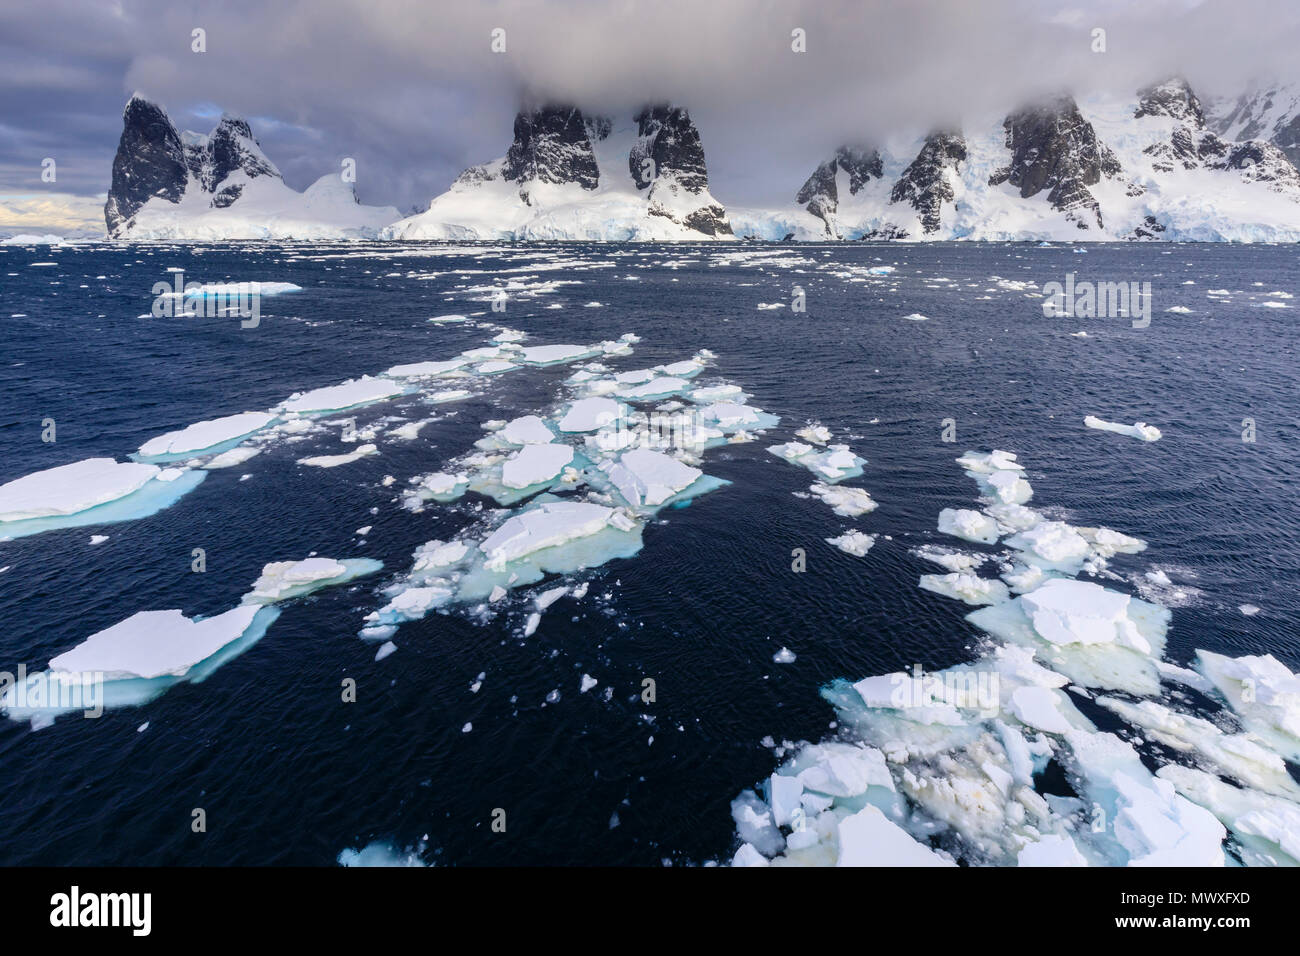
(288, 773)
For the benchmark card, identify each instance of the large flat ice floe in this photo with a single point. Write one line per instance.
(948, 766)
(205, 437)
(137, 659)
(88, 492)
(332, 398)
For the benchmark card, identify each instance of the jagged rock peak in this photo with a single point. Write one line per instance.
(1173, 98)
(154, 161)
(668, 138)
(150, 162)
(1054, 148)
(926, 184)
(820, 194)
(551, 145)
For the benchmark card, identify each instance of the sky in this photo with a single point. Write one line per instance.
(413, 91)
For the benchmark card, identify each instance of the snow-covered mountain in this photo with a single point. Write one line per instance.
(1270, 112)
(569, 176)
(1143, 167)
(173, 185)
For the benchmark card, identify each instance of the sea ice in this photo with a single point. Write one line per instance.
(205, 436)
(968, 525)
(534, 464)
(353, 394)
(1137, 430)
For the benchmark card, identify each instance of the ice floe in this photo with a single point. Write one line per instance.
(948, 765)
(1139, 430)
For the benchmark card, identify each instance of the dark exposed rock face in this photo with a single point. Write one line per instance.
(925, 184)
(1192, 145)
(820, 194)
(668, 160)
(150, 163)
(551, 145)
(670, 140)
(154, 161)
(1054, 148)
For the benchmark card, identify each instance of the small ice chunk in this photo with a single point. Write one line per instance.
(854, 542)
(846, 502)
(1137, 430)
(784, 656)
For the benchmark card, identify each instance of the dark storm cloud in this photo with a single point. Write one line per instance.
(412, 91)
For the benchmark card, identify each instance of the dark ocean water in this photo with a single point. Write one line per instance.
(288, 774)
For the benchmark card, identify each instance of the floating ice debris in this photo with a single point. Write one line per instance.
(441, 486)
(847, 502)
(784, 656)
(1179, 309)
(917, 317)
(1075, 335)
(1249, 610)
(205, 437)
(448, 395)
(961, 751)
(832, 465)
(384, 650)
(333, 398)
(378, 853)
(98, 539)
(449, 318)
(333, 461)
(982, 463)
(853, 542)
(1052, 545)
(91, 491)
(494, 367)
(815, 432)
(1137, 430)
(965, 586)
(282, 580)
(968, 525)
(952, 560)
